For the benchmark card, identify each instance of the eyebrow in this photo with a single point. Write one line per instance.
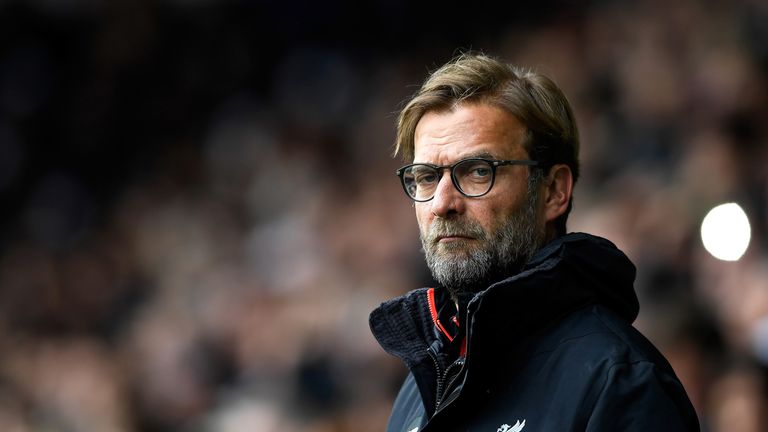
(481, 155)
(478, 155)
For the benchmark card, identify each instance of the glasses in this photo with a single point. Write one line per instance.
(473, 177)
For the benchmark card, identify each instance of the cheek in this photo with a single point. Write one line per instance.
(494, 213)
(423, 216)
(487, 213)
(491, 219)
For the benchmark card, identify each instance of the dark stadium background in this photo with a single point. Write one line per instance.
(197, 206)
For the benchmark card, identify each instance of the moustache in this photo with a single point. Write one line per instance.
(454, 228)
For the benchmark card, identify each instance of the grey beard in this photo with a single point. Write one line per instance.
(500, 254)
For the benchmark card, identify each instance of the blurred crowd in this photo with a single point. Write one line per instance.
(199, 206)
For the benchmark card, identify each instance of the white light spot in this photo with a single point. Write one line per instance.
(725, 232)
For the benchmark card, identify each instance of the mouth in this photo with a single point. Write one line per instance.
(452, 237)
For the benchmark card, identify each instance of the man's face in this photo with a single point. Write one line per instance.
(472, 242)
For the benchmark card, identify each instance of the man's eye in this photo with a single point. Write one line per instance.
(478, 171)
(426, 178)
(424, 175)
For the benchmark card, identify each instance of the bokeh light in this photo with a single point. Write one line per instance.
(725, 232)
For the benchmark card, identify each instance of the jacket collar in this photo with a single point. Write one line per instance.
(570, 272)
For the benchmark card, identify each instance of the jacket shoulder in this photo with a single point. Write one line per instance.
(596, 333)
(613, 369)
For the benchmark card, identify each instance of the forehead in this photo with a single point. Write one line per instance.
(468, 130)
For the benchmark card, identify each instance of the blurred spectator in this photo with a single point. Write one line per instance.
(194, 193)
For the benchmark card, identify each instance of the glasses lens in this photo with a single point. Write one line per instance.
(420, 181)
(474, 176)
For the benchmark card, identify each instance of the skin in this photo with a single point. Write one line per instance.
(472, 130)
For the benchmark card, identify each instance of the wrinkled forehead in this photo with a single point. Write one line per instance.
(468, 130)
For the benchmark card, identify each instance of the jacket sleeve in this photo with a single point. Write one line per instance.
(640, 397)
(408, 411)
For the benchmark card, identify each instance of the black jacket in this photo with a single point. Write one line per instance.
(549, 349)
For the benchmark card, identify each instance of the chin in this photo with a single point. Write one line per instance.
(455, 246)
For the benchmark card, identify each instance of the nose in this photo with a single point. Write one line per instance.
(448, 200)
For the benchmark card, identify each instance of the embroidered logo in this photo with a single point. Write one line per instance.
(516, 428)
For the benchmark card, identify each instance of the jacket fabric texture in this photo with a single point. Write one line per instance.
(551, 348)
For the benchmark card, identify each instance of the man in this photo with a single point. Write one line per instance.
(530, 328)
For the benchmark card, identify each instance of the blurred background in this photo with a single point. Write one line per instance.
(198, 208)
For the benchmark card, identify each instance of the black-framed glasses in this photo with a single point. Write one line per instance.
(473, 177)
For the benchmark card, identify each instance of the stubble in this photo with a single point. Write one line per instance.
(471, 265)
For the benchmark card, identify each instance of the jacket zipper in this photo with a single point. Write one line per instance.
(440, 376)
(458, 363)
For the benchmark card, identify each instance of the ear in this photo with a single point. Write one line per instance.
(557, 193)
